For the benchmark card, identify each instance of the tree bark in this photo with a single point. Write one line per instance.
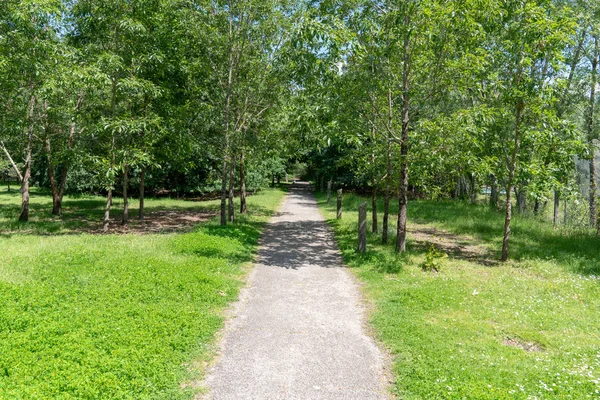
(556, 208)
(106, 221)
(521, 200)
(142, 189)
(113, 108)
(494, 193)
(231, 209)
(243, 208)
(52, 177)
(374, 227)
(511, 177)
(24, 217)
(403, 192)
(565, 212)
(388, 178)
(10, 159)
(591, 137)
(224, 175)
(125, 219)
(473, 189)
(362, 227)
(57, 207)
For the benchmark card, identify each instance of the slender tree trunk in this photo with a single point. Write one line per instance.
(374, 224)
(52, 177)
(24, 217)
(374, 206)
(521, 200)
(494, 193)
(113, 108)
(48, 150)
(536, 207)
(224, 175)
(591, 136)
(106, 221)
(556, 208)
(473, 189)
(243, 208)
(511, 177)
(125, 219)
(10, 159)
(565, 212)
(63, 175)
(388, 178)
(231, 209)
(142, 189)
(403, 192)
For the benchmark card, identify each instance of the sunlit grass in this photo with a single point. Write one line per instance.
(483, 330)
(116, 316)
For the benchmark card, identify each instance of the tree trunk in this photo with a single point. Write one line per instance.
(374, 208)
(113, 108)
(125, 219)
(511, 176)
(231, 209)
(494, 193)
(473, 189)
(565, 212)
(403, 192)
(106, 221)
(142, 190)
(556, 208)
(24, 217)
(507, 224)
(521, 200)
(243, 208)
(55, 201)
(591, 136)
(536, 207)
(65, 167)
(19, 175)
(388, 178)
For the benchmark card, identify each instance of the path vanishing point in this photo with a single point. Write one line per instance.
(298, 330)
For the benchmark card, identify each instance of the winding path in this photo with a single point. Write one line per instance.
(298, 329)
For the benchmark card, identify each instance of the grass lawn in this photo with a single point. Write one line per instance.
(479, 329)
(129, 316)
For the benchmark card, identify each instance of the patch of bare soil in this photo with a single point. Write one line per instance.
(457, 246)
(155, 222)
(522, 344)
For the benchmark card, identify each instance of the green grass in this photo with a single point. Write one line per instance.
(115, 316)
(449, 332)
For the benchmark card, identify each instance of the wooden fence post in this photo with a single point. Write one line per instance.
(362, 227)
(328, 191)
(339, 203)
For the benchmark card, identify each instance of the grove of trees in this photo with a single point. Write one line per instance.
(402, 98)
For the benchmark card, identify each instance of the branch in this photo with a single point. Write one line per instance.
(12, 162)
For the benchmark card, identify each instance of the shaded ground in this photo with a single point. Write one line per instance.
(84, 214)
(457, 246)
(155, 222)
(298, 330)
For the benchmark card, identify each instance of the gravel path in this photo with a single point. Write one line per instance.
(297, 331)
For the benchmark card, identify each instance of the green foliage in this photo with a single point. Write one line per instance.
(433, 260)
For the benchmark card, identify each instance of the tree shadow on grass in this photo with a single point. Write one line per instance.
(530, 238)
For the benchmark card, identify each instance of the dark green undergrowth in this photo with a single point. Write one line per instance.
(118, 316)
(479, 329)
